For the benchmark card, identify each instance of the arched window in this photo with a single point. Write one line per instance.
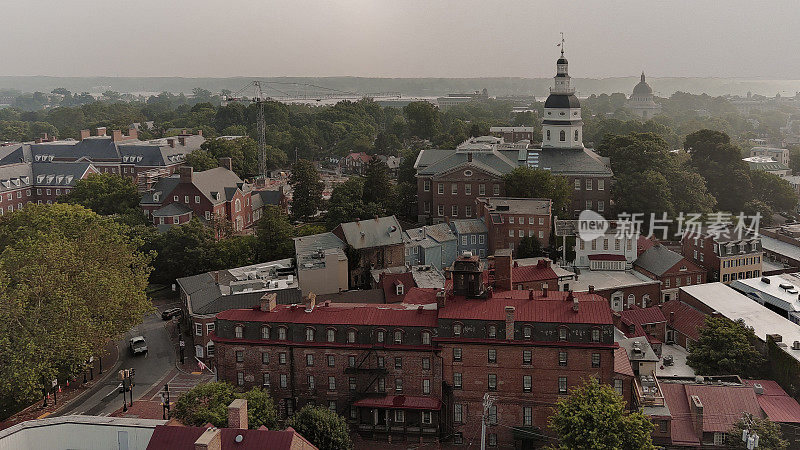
(398, 337)
(309, 334)
(631, 300)
(562, 334)
(265, 332)
(238, 205)
(282, 333)
(351, 336)
(380, 336)
(238, 330)
(331, 335)
(457, 329)
(426, 338)
(562, 135)
(492, 331)
(527, 331)
(548, 135)
(576, 135)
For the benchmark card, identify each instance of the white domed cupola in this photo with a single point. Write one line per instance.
(562, 126)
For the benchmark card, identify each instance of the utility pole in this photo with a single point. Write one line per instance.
(488, 401)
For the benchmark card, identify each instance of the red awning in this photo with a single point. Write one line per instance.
(400, 402)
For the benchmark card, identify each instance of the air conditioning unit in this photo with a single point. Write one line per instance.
(796, 345)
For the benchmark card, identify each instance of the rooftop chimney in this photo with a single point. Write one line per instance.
(211, 439)
(199, 132)
(237, 414)
(503, 266)
(171, 142)
(591, 289)
(441, 298)
(186, 174)
(101, 131)
(182, 140)
(510, 322)
(696, 408)
(116, 135)
(544, 290)
(84, 134)
(671, 316)
(570, 296)
(312, 301)
(133, 133)
(268, 302)
(226, 162)
(575, 304)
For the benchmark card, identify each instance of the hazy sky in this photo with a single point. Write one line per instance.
(399, 38)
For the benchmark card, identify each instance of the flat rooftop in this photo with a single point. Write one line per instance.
(608, 279)
(782, 290)
(734, 305)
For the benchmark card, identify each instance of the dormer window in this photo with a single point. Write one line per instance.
(282, 333)
(351, 336)
(426, 338)
(562, 334)
(398, 337)
(399, 289)
(331, 335)
(492, 331)
(457, 329)
(238, 331)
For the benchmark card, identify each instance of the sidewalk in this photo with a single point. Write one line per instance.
(75, 391)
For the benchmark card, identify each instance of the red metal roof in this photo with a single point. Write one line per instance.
(622, 364)
(532, 273)
(400, 402)
(681, 428)
(341, 313)
(723, 405)
(389, 283)
(179, 438)
(421, 296)
(643, 316)
(688, 320)
(606, 257)
(776, 403)
(642, 244)
(593, 309)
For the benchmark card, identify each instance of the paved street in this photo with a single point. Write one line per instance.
(151, 369)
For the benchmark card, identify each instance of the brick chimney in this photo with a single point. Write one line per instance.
(226, 162)
(545, 290)
(696, 408)
(441, 299)
(84, 134)
(199, 132)
(116, 135)
(671, 316)
(237, 414)
(575, 305)
(211, 439)
(101, 131)
(503, 266)
(312, 301)
(171, 142)
(510, 322)
(186, 174)
(591, 289)
(133, 133)
(268, 302)
(182, 140)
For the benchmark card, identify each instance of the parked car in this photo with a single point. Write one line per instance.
(170, 313)
(138, 345)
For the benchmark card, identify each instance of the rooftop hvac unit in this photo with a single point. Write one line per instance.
(758, 388)
(796, 345)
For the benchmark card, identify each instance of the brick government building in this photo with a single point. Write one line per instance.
(417, 371)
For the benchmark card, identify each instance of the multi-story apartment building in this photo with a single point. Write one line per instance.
(39, 182)
(212, 196)
(471, 236)
(726, 256)
(612, 251)
(449, 181)
(511, 219)
(419, 372)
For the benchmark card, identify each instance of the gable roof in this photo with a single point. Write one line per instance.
(535, 272)
(183, 438)
(370, 233)
(658, 260)
(317, 242)
(622, 365)
(681, 427)
(776, 403)
(688, 320)
(389, 283)
(220, 180)
(468, 226)
(60, 173)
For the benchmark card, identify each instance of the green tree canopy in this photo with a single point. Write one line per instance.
(720, 164)
(274, 234)
(322, 427)
(381, 190)
(773, 190)
(347, 203)
(769, 434)
(636, 153)
(70, 280)
(307, 190)
(105, 194)
(208, 403)
(525, 182)
(594, 416)
(423, 119)
(529, 247)
(725, 347)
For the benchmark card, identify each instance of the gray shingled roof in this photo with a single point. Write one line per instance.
(58, 173)
(657, 260)
(15, 153)
(94, 148)
(15, 176)
(315, 242)
(370, 233)
(468, 226)
(220, 180)
(206, 296)
(165, 186)
(173, 209)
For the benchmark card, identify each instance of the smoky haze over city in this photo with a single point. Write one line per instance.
(349, 225)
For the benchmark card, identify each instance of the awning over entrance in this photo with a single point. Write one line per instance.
(400, 402)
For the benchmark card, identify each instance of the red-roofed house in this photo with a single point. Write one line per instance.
(236, 436)
(683, 323)
(355, 162)
(418, 370)
(649, 322)
(779, 407)
(623, 376)
(396, 285)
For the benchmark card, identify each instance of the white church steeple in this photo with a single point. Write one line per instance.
(562, 126)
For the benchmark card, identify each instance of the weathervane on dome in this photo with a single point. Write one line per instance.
(561, 44)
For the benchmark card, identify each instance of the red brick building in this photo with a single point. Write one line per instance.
(672, 269)
(509, 220)
(378, 243)
(418, 373)
(726, 256)
(211, 196)
(39, 182)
